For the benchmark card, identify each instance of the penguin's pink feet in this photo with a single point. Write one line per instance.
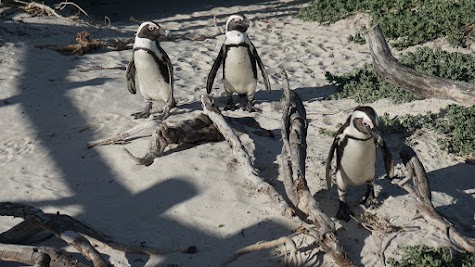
(344, 212)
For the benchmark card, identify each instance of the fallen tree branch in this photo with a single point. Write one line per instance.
(241, 154)
(420, 191)
(287, 241)
(38, 256)
(122, 137)
(398, 74)
(294, 153)
(71, 231)
(85, 44)
(62, 5)
(191, 131)
(37, 8)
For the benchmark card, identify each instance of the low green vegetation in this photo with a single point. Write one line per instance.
(423, 256)
(455, 127)
(408, 22)
(365, 85)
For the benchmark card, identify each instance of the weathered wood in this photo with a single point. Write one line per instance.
(68, 229)
(426, 85)
(191, 131)
(294, 153)
(38, 256)
(241, 154)
(287, 241)
(120, 138)
(421, 193)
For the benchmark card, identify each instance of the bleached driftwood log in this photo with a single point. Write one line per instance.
(398, 74)
(122, 137)
(86, 44)
(294, 153)
(420, 191)
(241, 154)
(287, 241)
(66, 228)
(191, 131)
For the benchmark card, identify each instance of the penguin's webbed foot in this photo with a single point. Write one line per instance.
(230, 106)
(249, 108)
(344, 212)
(141, 115)
(369, 200)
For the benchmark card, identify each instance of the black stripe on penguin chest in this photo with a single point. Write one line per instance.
(229, 49)
(162, 66)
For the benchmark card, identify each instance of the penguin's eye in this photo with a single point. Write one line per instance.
(152, 27)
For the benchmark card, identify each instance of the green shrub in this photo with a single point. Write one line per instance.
(409, 22)
(423, 256)
(455, 126)
(367, 86)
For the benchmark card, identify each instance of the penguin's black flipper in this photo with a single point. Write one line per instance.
(328, 166)
(212, 74)
(171, 100)
(388, 159)
(130, 76)
(263, 70)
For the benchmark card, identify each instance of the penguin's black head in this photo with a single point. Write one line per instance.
(366, 120)
(151, 30)
(237, 22)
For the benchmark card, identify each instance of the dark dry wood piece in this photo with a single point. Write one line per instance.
(398, 74)
(199, 129)
(294, 152)
(421, 193)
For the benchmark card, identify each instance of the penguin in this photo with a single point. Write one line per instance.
(152, 68)
(239, 58)
(355, 145)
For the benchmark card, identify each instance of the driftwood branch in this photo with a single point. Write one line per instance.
(241, 154)
(420, 191)
(191, 131)
(66, 228)
(287, 241)
(85, 44)
(122, 137)
(294, 153)
(398, 74)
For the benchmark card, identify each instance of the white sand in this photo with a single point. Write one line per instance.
(51, 107)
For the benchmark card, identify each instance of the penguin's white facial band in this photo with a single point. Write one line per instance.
(152, 27)
(368, 123)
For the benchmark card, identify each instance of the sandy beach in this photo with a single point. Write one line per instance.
(52, 105)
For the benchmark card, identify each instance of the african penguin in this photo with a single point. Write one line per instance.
(238, 57)
(355, 145)
(153, 68)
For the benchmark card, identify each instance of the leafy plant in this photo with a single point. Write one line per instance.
(409, 22)
(424, 256)
(456, 128)
(357, 39)
(367, 86)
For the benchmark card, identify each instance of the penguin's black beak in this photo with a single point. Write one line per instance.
(242, 25)
(376, 134)
(163, 32)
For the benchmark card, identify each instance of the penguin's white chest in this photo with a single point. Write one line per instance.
(238, 74)
(357, 161)
(152, 84)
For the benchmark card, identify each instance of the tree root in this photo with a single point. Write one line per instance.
(66, 228)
